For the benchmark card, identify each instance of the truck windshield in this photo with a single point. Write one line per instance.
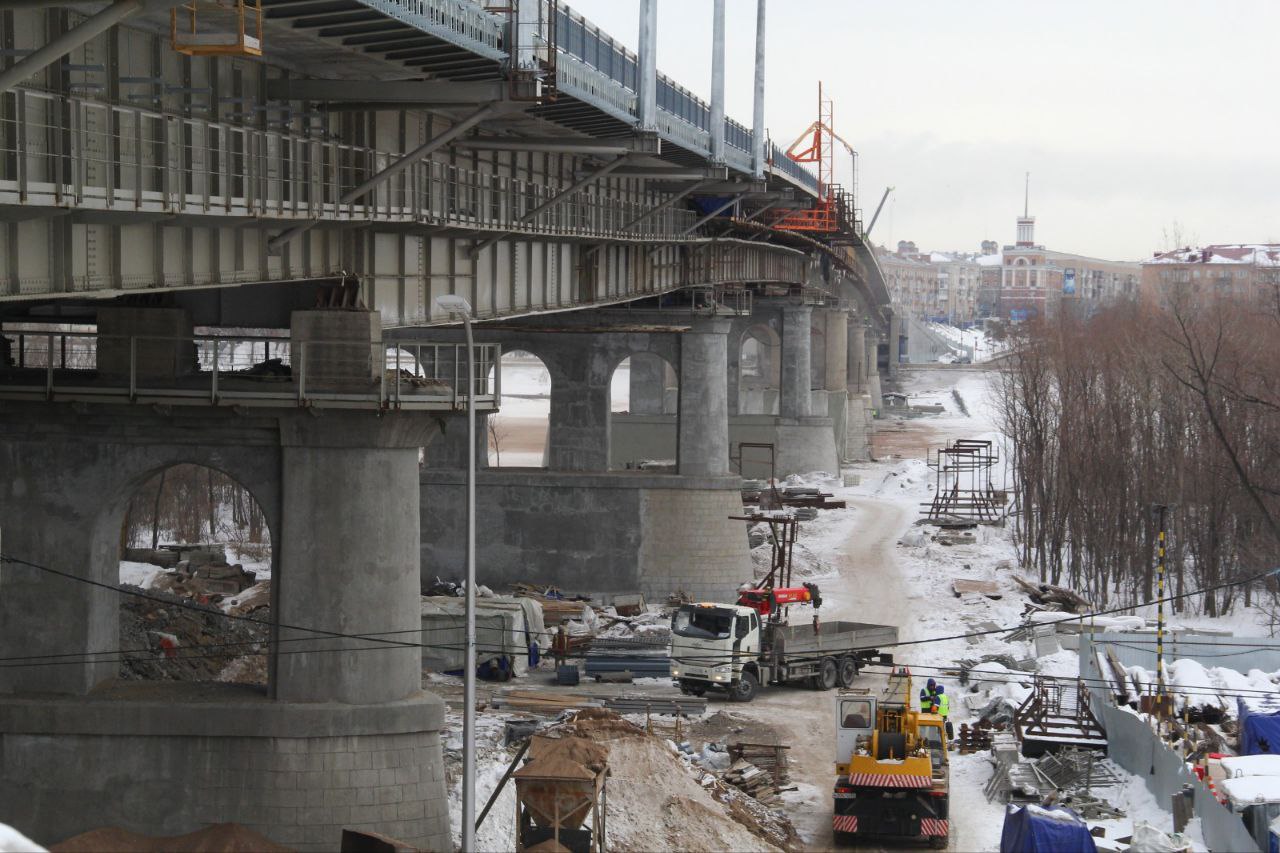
(702, 623)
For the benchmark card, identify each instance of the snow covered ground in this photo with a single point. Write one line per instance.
(882, 567)
(984, 348)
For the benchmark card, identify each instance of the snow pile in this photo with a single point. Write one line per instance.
(12, 841)
(142, 575)
(655, 803)
(1196, 685)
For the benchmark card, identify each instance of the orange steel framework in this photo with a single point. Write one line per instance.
(820, 136)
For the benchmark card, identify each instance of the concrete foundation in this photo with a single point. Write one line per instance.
(620, 532)
(166, 759)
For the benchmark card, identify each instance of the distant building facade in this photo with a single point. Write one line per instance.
(1021, 282)
(1240, 270)
(1039, 282)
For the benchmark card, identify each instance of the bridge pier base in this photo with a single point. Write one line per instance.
(341, 736)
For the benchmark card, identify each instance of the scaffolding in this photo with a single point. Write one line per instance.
(217, 28)
(833, 209)
(963, 491)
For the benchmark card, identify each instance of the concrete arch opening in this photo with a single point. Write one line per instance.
(196, 536)
(644, 404)
(759, 371)
(517, 434)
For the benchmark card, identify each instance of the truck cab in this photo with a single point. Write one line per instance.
(716, 647)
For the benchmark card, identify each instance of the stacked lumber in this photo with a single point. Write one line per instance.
(769, 757)
(541, 702)
(753, 781)
(556, 610)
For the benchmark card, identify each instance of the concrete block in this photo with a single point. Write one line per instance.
(364, 778)
(411, 811)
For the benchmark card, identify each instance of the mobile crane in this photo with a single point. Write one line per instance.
(892, 776)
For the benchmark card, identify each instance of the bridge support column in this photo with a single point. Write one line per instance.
(873, 371)
(858, 414)
(797, 342)
(857, 347)
(349, 546)
(836, 375)
(578, 429)
(704, 399)
(648, 384)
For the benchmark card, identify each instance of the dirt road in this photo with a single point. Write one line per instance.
(869, 589)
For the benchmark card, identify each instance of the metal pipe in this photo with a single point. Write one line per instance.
(438, 141)
(648, 101)
(469, 683)
(867, 232)
(78, 35)
(717, 82)
(757, 115)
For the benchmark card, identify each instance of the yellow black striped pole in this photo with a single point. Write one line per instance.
(1160, 686)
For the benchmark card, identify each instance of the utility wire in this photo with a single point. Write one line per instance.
(97, 657)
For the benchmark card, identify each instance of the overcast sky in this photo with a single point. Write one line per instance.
(1130, 115)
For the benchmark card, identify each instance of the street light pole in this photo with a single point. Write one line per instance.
(458, 305)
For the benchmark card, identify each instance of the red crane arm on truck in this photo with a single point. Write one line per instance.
(767, 600)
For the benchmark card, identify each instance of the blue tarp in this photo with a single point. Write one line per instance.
(1259, 727)
(1032, 829)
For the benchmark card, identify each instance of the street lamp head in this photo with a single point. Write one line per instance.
(454, 303)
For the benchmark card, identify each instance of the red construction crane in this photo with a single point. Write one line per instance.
(819, 140)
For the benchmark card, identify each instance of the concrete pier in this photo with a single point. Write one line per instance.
(704, 404)
(796, 369)
(296, 762)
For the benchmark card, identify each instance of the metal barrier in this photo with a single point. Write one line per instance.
(135, 159)
(208, 370)
(458, 21)
(1133, 745)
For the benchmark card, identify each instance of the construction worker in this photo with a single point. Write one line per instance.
(929, 697)
(942, 706)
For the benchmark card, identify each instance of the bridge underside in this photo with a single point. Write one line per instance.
(237, 262)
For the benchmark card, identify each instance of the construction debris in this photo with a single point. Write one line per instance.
(1071, 777)
(170, 638)
(1056, 597)
(962, 587)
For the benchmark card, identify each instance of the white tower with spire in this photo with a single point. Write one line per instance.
(1026, 222)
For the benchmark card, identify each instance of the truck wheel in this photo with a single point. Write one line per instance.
(938, 842)
(745, 689)
(828, 674)
(848, 671)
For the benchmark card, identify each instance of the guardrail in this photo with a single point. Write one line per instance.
(134, 159)
(461, 22)
(209, 370)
